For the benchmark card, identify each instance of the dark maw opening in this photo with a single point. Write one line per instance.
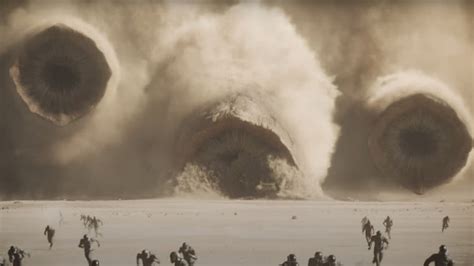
(61, 77)
(61, 74)
(239, 163)
(417, 142)
(236, 155)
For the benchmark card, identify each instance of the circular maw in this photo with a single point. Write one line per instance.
(238, 159)
(420, 142)
(61, 74)
(235, 140)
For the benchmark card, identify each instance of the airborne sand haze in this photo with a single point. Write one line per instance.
(192, 55)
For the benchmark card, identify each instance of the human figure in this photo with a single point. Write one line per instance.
(330, 261)
(440, 259)
(61, 219)
(96, 223)
(388, 223)
(3, 262)
(290, 261)
(89, 223)
(445, 223)
(49, 233)
(10, 253)
(86, 244)
(95, 263)
(16, 255)
(147, 258)
(364, 221)
(177, 260)
(379, 241)
(368, 230)
(84, 220)
(188, 253)
(317, 260)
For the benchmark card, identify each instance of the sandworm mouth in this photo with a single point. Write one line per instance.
(60, 74)
(234, 151)
(420, 142)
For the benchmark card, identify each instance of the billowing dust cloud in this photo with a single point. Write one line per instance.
(391, 59)
(231, 100)
(210, 89)
(247, 98)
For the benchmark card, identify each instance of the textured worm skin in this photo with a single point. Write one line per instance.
(233, 139)
(60, 74)
(420, 142)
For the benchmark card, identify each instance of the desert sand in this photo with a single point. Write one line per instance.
(225, 232)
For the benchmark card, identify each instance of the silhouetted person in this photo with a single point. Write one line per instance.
(368, 230)
(86, 244)
(388, 223)
(317, 260)
(290, 261)
(445, 223)
(84, 220)
(49, 233)
(11, 251)
(177, 260)
(89, 223)
(61, 219)
(379, 241)
(364, 221)
(330, 261)
(188, 253)
(16, 255)
(147, 258)
(95, 224)
(440, 259)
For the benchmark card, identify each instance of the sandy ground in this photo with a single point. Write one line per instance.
(237, 232)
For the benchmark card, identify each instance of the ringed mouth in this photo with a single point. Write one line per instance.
(60, 74)
(420, 142)
(234, 152)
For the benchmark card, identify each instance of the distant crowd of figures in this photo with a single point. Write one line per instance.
(186, 255)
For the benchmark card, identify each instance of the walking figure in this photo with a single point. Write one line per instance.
(379, 241)
(86, 244)
(368, 230)
(317, 260)
(96, 223)
(364, 221)
(440, 259)
(388, 223)
(188, 253)
(290, 261)
(61, 219)
(49, 233)
(16, 255)
(177, 260)
(330, 261)
(147, 258)
(445, 223)
(84, 220)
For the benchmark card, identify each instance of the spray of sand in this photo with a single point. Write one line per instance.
(214, 54)
(192, 55)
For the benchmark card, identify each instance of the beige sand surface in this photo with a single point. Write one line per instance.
(237, 232)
